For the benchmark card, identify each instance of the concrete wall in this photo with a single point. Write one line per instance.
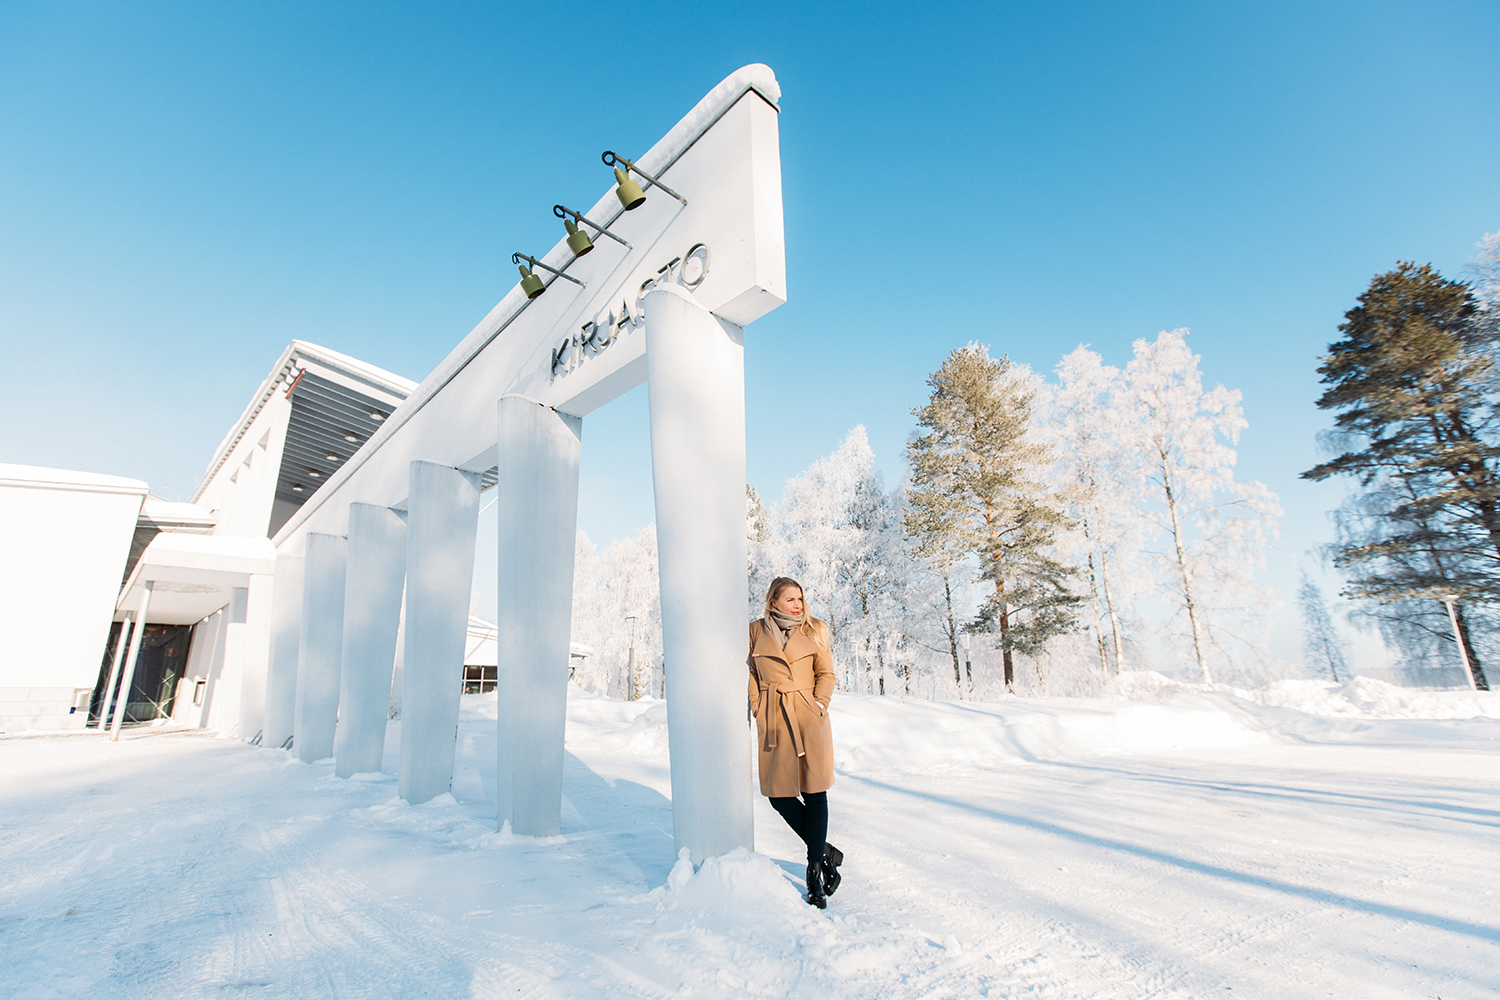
(62, 555)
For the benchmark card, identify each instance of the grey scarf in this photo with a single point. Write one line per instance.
(784, 625)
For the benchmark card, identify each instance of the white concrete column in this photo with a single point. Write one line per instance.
(257, 657)
(695, 380)
(223, 708)
(123, 698)
(320, 649)
(442, 519)
(213, 627)
(538, 517)
(376, 572)
(114, 671)
(286, 633)
(394, 711)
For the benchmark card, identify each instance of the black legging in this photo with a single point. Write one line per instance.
(808, 818)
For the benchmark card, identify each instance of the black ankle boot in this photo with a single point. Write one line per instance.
(815, 886)
(831, 877)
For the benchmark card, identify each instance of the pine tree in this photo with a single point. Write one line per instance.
(976, 490)
(1412, 383)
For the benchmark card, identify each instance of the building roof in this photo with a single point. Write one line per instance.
(339, 396)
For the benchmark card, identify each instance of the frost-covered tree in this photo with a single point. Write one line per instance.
(610, 588)
(1214, 527)
(977, 487)
(837, 531)
(1485, 268)
(1321, 644)
(1101, 481)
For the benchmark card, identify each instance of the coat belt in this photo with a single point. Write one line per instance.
(776, 708)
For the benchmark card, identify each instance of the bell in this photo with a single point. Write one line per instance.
(578, 240)
(530, 283)
(628, 191)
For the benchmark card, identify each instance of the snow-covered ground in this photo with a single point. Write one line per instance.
(1315, 841)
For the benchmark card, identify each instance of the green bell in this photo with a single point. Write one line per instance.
(578, 240)
(530, 283)
(628, 191)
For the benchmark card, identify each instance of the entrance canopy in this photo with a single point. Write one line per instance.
(193, 575)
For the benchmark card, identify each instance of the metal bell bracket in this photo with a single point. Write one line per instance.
(611, 159)
(563, 212)
(516, 258)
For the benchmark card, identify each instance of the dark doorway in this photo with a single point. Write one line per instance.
(158, 668)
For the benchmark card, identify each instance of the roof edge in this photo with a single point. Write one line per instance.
(360, 370)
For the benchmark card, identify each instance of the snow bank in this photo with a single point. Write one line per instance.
(1359, 698)
(873, 733)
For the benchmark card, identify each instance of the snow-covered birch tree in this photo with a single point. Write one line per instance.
(610, 588)
(1101, 482)
(836, 530)
(1215, 528)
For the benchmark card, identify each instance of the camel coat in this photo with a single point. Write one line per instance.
(786, 689)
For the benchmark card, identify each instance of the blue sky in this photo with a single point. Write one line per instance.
(186, 187)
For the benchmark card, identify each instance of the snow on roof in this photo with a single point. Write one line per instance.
(174, 514)
(38, 477)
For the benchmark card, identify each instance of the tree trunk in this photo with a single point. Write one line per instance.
(1010, 671)
(958, 677)
(1114, 616)
(1094, 606)
(1480, 681)
(1186, 575)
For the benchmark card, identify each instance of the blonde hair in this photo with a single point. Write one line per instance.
(814, 628)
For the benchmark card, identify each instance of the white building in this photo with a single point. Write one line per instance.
(83, 553)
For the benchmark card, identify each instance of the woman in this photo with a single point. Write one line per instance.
(791, 682)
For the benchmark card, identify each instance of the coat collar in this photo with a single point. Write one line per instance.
(797, 646)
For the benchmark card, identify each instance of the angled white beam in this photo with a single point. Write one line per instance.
(538, 519)
(114, 670)
(442, 519)
(376, 572)
(123, 698)
(696, 389)
(286, 634)
(321, 647)
(257, 657)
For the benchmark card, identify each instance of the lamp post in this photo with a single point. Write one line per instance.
(630, 657)
(1463, 651)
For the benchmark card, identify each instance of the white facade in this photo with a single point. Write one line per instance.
(63, 548)
(81, 550)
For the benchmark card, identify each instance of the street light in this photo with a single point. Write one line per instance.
(627, 190)
(530, 283)
(630, 658)
(1448, 599)
(563, 212)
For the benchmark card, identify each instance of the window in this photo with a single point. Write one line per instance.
(479, 680)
